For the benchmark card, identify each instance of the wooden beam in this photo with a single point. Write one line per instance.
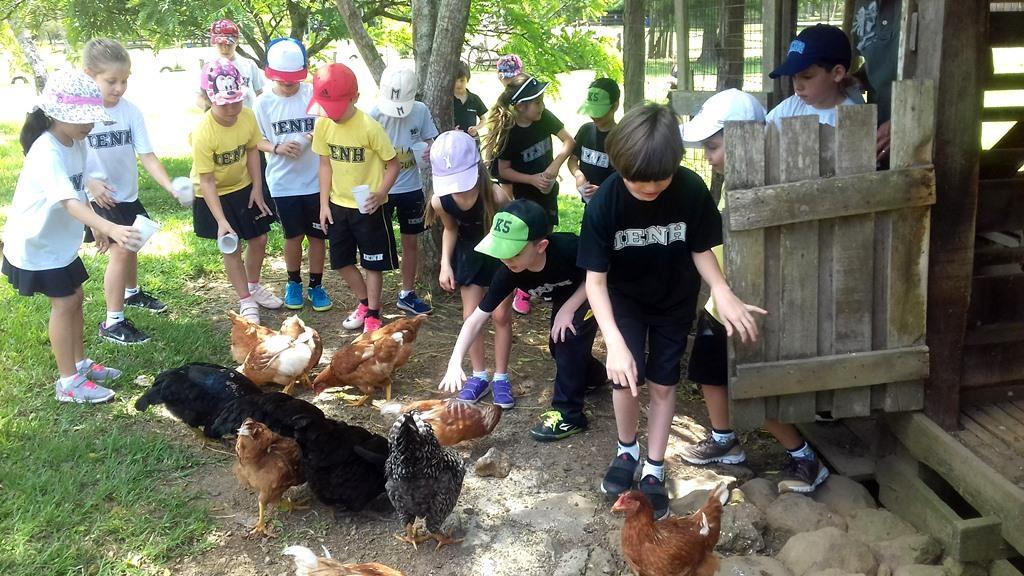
(820, 199)
(1000, 205)
(633, 46)
(688, 103)
(1003, 568)
(1005, 81)
(993, 394)
(994, 363)
(995, 333)
(1004, 29)
(682, 14)
(830, 372)
(985, 489)
(1003, 114)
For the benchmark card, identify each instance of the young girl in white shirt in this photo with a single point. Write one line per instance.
(45, 226)
(112, 180)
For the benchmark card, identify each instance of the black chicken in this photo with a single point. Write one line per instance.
(343, 465)
(278, 411)
(423, 479)
(197, 392)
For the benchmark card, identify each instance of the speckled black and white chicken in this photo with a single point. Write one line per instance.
(424, 480)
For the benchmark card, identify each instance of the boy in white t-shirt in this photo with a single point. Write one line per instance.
(407, 123)
(819, 63)
(292, 168)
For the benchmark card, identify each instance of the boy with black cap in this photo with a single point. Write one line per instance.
(589, 161)
(819, 62)
(541, 263)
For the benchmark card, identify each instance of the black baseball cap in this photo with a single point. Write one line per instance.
(819, 44)
(518, 223)
(530, 90)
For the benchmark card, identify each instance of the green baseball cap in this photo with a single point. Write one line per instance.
(602, 93)
(519, 223)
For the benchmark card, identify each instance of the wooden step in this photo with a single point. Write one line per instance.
(996, 256)
(1004, 568)
(848, 452)
(1002, 114)
(995, 334)
(1000, 205)
(1006, 29)
(1001, 163)
(1005, 82)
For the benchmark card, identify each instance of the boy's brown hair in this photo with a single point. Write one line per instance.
(646, 146)
(462, 70)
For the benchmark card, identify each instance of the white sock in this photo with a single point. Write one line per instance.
(247, 300)
(633, 450)
(656, 470)
(114, 318)
(404, 293)
(501, 376)
(83, 364)
(723, 438)
(804, 451)
(129, 292)
(66, 383)
(481, 374)
(253, 286)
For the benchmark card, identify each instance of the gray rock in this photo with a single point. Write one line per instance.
(905, 550)
(837, 572)
(955, 568)
(919, 570)
(811, 553)
(572, 563)
(687, 495)
(793, 513)
(760, 492)
(752, 566)
(600, 562)
(742, 524)
(494, 463)
(843, 495)
(877, 526)
(566, 513)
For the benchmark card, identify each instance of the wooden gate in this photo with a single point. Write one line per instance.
(838, 255)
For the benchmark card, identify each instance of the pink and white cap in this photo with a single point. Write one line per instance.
(222, 82)
(455, 162)
(73, 97)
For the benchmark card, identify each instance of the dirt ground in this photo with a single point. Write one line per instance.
(541, 519)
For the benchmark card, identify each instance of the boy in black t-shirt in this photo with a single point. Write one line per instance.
(646, 243)
(540, 263)
(468, 107)
(589, 161)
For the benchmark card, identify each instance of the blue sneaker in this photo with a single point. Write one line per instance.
(503, 394)
(321, 301)
(413, 305)
(293, 296)
(474, 389)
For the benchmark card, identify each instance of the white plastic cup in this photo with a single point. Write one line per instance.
(228, 243)
(361, 194)
(183, 190)
(146, 228)
(417, 153)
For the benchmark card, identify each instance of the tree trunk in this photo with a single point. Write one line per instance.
(31, 53)
(424, 26)
(708, 22)
(364, 44)
(298, 16)
(633, 53)
(730, 65)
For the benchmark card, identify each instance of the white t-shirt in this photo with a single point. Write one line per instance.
(112, 150)
(794, 106)
(286, 120)
(418, 126)
(40, 234)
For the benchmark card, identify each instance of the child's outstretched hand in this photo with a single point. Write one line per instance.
(102, 193)
(126, 236)
(453, 379)
(447, 278)
(736, 315)
(259, 202)
(562, 323)
(621, 366)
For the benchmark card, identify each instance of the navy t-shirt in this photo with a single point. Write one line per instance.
(646, 247)
(468, 113)
(559, 279)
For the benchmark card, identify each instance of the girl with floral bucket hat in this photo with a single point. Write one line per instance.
(46, 224)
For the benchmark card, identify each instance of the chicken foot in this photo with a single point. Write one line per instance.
(354, 401)
(289, 505)
(303, 381)
(262, 526)
(413, 537)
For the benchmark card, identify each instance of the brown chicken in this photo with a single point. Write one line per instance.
(308, 564)
(368, 362)
(453, 421)
(270, 464)
(675, 546)
(281, 357)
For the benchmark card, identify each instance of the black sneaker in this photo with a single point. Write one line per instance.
(124, 332)
(146, 301)
(802, 475)
(619, 477)
(654, 488)
(553, 426)
(709, 450)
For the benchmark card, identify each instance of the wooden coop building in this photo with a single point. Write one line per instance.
(896, 297)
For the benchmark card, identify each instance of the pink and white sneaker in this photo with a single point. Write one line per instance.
(371, 324)
(356, 318)
(82, 391)
(521, 302)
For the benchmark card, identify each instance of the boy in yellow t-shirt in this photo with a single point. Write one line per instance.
(226, 177)
(354, 151)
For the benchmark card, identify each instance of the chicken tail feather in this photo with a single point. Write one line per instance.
(305, 559)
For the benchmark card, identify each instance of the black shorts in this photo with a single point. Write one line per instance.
(657, 344)
(370, 233)
(55, 283)
(709, 359)
(266, 187)
(300, 215)
(123, 213)
(410, 207)
(473, 268)
(245, 221)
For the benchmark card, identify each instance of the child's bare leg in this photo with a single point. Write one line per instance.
(716, 399)
(410, 254)
(471, 297)
(65, 330)
(627, 414)
(78, 328)
(236, 274)
(659, 419)
(121, 267)
(255, 252)
(131, 270)
(374, 284)
(350, 274)
(786, 434)
(502, 319)
(292, 253)
(317, 254)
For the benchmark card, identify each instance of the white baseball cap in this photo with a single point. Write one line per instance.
(397, 90)
(286, 60)
(727, 105)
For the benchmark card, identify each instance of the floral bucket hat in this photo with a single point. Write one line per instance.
(71, 96)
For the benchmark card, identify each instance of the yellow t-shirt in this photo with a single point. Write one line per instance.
(719, 252)
(222, 150)
(358, 148)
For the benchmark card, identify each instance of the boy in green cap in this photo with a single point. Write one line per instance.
(542, 263)
(589, 162)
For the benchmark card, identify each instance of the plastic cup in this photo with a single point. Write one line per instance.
(361, 194)
(183, 190)
(146, 228)
(228, 243)
(417, 153)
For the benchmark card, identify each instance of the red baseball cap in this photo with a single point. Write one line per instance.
(334, 88)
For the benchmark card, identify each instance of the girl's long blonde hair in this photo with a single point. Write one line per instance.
(500, 120)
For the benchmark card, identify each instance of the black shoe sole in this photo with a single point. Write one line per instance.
(555, 437)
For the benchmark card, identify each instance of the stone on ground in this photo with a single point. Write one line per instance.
(600, 562)
(843, 495)
(877, 525)
(566, 514)
(572, 563)
(919, 570)
(687, 495)
(760, 492)
(752, 566)
(906, 550)
(742, 525)
(793, 513)
(494, 463)
(811, 553)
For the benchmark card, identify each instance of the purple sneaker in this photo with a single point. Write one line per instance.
(503, 394)
(474, 389)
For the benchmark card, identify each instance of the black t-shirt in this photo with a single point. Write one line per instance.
(560, 277)
(589, 149)
(467, 114)
(646, 247)
(530, 152)
(876, 35)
